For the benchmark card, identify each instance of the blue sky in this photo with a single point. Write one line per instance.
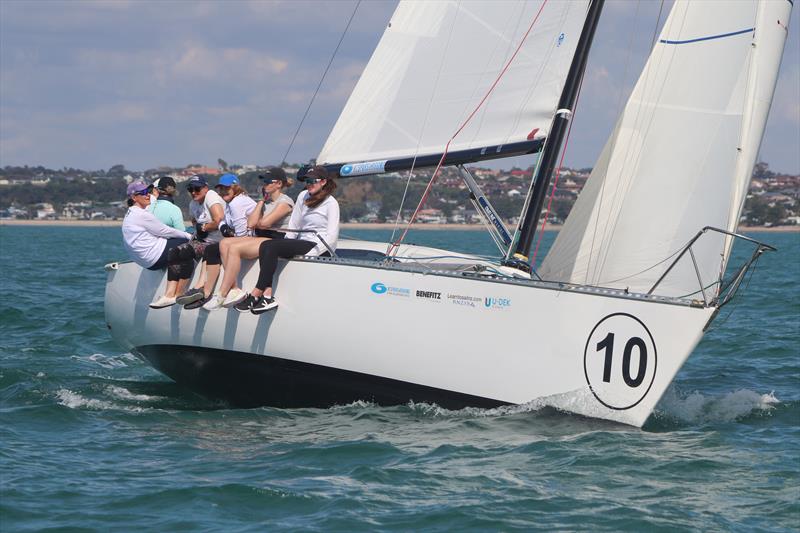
(90, 84)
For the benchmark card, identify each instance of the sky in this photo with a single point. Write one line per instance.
(92, 84)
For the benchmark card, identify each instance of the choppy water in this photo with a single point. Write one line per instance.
(92, 438)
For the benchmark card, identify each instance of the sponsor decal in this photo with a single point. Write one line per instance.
(380, 288)
(359, 169)
(429, 295)
(561, 38)
(464, 301)
(496, 303)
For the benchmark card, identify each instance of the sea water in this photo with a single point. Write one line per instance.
(92, 438)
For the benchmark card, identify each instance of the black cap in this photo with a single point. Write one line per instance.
(163, 182)
(274, 173)
(318, 171)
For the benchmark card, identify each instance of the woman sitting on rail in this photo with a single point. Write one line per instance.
(154, 245)
(271, 212)
(239, 206)
(316, 217)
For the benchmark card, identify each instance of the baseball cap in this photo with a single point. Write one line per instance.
(226, 180)
(136, 187)
(197, 181)
(318, 172)
(163, 182)
(274, 173)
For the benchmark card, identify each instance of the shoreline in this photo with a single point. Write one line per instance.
(350, 225)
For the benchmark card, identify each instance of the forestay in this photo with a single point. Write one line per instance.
(681, 155)
(434, 64)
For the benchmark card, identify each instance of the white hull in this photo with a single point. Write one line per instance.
(483, 338)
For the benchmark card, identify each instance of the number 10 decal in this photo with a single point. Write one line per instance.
(620, 361)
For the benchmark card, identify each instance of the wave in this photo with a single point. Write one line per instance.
(699, 408)
(109, 362)
(74, 400)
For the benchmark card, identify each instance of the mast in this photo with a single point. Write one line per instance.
(533, 205)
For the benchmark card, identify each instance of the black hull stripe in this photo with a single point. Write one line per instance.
(249, 380)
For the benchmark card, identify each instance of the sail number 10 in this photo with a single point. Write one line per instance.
(620, 361)
(607, 345)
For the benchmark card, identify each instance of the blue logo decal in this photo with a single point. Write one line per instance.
(378, 288)
(561, 38)
(497, 303)
(346, 170)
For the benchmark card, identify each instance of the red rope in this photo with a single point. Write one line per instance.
(558, 174)
(469, 118)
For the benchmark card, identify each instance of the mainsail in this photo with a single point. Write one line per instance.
(681, 155)
(436, 62)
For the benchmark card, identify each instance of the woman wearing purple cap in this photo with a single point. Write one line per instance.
(154, 245)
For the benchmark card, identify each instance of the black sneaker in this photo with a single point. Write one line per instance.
(198, 303)
(246, 304)
(192, 295)
(262, 305)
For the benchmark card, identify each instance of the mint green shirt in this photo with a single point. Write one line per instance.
(168, 213)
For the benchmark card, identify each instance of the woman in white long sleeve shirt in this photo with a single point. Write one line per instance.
(315, 212)
(154, 245)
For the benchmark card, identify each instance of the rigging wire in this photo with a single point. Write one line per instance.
(428, 188)
(314, 96)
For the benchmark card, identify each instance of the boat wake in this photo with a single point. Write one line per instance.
(698, 408)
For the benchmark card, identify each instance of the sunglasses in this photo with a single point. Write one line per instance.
(145, 192)
(312, 181)
(192, 188)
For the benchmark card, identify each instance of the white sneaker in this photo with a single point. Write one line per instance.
(214, 303)
(234, 297)
(164, 301)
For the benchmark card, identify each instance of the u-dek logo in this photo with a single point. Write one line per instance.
(380, 288)
(496, 303)
(430, 295)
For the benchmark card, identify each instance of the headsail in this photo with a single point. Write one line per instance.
(436, 62)
(681, 155)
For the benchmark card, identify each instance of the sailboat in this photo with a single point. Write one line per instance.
(637, 274)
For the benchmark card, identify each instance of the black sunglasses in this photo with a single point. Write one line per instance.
(312, 181)
(192, 188)
(144, 192)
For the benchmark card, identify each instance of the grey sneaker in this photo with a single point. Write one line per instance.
(192, 295)
(198, 303)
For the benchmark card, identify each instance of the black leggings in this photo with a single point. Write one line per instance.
(211, 254)
(270, 251)
(178, 258)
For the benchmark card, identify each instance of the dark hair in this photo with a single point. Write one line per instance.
(314, 200)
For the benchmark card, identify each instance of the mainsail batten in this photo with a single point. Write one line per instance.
(435, 63)
(681, 154)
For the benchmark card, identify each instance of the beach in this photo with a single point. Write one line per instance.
(349, 225)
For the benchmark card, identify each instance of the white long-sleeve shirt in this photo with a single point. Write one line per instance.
(145, 237)
(324, 219)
